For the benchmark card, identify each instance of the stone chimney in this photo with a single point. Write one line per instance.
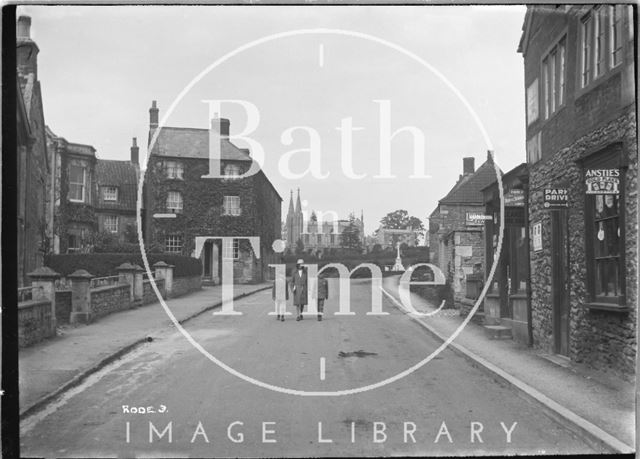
(27, 50)
(468, 166)
(221, 126)
(135, 151)
(153, 115)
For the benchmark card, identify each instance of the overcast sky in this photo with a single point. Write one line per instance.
(100, 68)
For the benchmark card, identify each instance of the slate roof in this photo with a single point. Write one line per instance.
(193, 143)
(122, 174)
(468, 190)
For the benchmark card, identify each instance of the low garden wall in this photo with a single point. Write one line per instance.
(63, 306)
(184, 285)
(149, 294)
(35, 322)
(109, 299)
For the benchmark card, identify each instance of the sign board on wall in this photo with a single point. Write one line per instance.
(536, 236)
(602, 181)
(477, 218)
(514, 198)
(556, 198)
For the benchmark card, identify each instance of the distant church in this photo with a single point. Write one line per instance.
(316, 237)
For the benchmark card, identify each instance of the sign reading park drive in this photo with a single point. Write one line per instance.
(556, 198)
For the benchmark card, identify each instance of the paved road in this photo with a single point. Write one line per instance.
(432, 411)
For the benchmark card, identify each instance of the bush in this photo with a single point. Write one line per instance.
(105, 264)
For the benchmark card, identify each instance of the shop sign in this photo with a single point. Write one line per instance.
(602, 181)
(536, 234)
(514, 198)
(556, 198)
(477, 218)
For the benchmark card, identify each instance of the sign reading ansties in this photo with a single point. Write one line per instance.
(556, 198)
(602, 181)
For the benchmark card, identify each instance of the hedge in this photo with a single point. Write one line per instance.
(105, 264)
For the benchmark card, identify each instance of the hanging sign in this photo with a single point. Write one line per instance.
(556, 198)
(514, 198)
(602, 181)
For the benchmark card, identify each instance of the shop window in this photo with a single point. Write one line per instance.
(605, 231)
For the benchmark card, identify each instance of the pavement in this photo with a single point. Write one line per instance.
(53, 366)
(597, 406)
(348, 386)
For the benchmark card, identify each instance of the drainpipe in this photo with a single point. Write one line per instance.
(525, 183)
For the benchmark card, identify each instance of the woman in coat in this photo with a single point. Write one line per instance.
(299, 287)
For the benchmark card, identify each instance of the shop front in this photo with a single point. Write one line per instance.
(507, 303)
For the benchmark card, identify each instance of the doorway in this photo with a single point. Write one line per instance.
(559, 288)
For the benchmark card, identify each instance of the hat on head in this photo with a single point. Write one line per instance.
(300, 261)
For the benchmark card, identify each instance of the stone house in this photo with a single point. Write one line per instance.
(456, 228)
(117, 188)
(187, 211)
(582, 145)
(35, 217)
(73, 194)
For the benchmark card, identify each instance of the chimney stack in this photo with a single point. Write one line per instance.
(468, 165)
(221, 126)
(153, 115)
(27, 50)
(135, 150)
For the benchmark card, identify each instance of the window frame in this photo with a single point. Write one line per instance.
(612, 157)
(175, 166)
(228, 208)
(105, 226)
(83, 185)
(231, 247)
(171, 244)
(553, 70)
(178, 209)
(586, 38)
(104, 193)
(615, 12)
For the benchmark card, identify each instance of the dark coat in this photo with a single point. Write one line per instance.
(299, 287)
(323, 289)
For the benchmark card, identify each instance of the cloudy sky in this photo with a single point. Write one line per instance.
(100, 68)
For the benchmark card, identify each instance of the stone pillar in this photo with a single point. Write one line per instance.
(126, 275)
(165, 271)
(80, 296)
(44, 279)
(138, 290)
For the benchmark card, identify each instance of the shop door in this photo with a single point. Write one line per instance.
(559, 288)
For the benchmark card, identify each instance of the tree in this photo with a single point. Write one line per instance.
(299, 247)
(400, 219)
(350, 236)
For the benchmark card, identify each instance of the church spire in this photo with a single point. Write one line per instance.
(290, 211)
(298, 205)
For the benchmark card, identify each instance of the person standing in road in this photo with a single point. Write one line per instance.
(299, 287)
(323, 294)
(280, 297)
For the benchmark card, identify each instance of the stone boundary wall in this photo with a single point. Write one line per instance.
(149, 294)
(109, 299)
(35, 322)
(63, 306)
(184, 285)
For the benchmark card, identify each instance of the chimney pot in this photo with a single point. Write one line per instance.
(468, 165)
(135, 150)
(221, 126)
(24, 27)
(153, 115)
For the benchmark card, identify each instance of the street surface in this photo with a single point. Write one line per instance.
(447, 407)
